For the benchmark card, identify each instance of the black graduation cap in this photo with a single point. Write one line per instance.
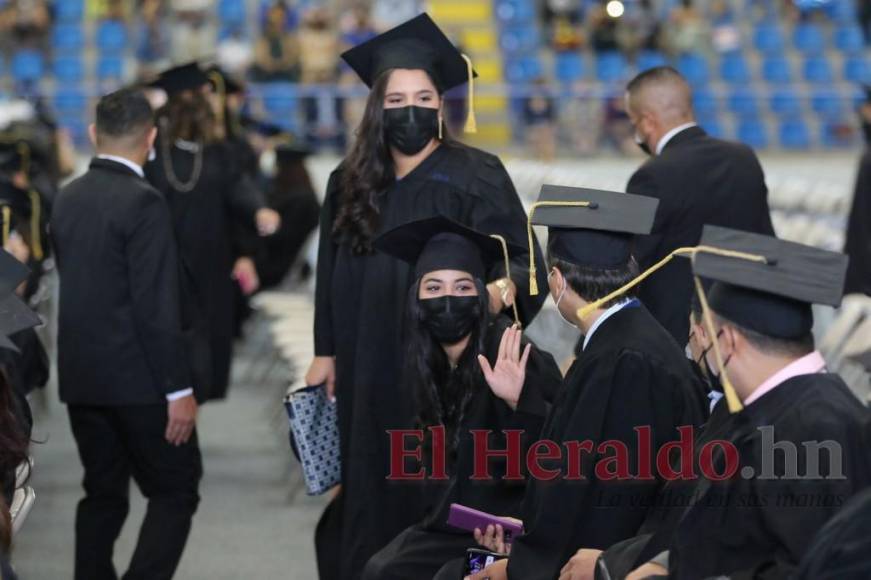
(20, 152)
(15, 315)
(291, 152)
(770, 285)
(223, 82)
(416, 44)
(590, 227)
(439, 243)
(180, 78)
(260, 127)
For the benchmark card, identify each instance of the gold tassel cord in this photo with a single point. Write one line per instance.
(7, 223)
(732, 399)
(508, 273)
(24, 153)
(36, 224)
(533, 283)
(471, 122)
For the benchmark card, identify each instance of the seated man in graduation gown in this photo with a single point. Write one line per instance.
(630, 380)
(797, 450)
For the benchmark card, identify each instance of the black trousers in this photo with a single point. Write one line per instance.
(114, 444)
(418, 553)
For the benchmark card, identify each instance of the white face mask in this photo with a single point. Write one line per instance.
(152, 154)
(559, 299)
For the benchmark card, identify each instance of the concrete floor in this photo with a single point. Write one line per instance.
(254, 521)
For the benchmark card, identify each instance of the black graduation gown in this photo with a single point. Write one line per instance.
(359, 309)
(201, 221)
(858, 242)
(761, 528)
(631, 373)
(421, 550)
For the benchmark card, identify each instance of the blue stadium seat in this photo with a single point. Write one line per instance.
(515, 12)
(808, 38)
(843, 11)
(694, 67)
(523, 69)
(857, 69)
(649, 59)
(67, 37)
(110, 68)
(77, 128)
(712, 126)
(752, 132)
(519, 39)
(785, 101)
(734, 69)
(704, 103)
(568, 66)
(280, 100)
(826, 102)
(776, 69)
(68, 69)
(818, 70)
(768, 37)
(111, 36)
(70, 11)
(70, 103)
(232, 12)
(743, 103)
(794, 134)
(610, 67)
(848, 38)
(27, 66)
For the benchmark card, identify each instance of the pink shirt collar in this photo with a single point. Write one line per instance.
(807, 365)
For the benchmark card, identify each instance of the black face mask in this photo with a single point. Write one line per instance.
(410, 129)
(642, 144)
(449, 319)
(703, 371)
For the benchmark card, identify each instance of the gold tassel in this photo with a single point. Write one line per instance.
(7, 224)
(533, 283)
(732, 399)
(508, 273)
(24, 153)
(471, 122)
(35, 225)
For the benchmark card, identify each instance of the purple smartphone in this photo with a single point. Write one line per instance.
(468, 519)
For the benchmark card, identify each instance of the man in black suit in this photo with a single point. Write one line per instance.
(698, 179)
(121, 363)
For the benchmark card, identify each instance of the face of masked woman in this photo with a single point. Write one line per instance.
(449, 305)
(411, 111)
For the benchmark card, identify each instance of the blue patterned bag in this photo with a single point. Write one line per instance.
(314, 437)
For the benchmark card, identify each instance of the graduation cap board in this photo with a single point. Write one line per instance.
(15, 315)
(439, 243)
(589, 227)
(186, 77)
(415, 44)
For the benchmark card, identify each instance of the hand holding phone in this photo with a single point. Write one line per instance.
(478, 559)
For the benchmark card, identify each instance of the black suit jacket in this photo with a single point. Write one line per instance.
(699, 180)
(119, 340)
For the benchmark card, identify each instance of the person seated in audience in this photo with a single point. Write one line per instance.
(629, 375)
(277, 51)
(468, 371)
(758, 508)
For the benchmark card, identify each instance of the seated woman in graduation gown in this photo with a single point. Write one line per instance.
(800, 451)
(206, 189)
(403, 166)
(448, 328)
(629, 374)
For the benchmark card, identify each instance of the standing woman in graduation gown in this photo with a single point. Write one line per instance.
(206, 189)
(467, 370)
(398, 170)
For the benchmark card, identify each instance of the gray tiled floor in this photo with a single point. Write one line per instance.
(253, 522)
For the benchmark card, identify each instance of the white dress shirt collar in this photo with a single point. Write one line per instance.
(135, 167)
(668, 136)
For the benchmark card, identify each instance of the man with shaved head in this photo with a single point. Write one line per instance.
(698, 179)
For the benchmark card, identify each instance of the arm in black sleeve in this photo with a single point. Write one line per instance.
(152, 265)
(244, 198)
(323, 328)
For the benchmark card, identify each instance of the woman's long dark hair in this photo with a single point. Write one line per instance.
(367, 170)
(442, 395)
(189, 117)
(14, 442)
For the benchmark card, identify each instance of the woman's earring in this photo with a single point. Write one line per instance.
(440, 128)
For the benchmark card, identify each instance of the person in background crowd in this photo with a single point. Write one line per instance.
(277, 51)
(688, 31)
(628, 374)
(858, 239)
(698, 179)
(290, 193)
(403, 166)
(121, 364)
(864, 15)
(469, 371)
(539, 116)
(760, 522)
(320, 66)
(194, 33)
(603, 35)
(152, 48)
(207, 190)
